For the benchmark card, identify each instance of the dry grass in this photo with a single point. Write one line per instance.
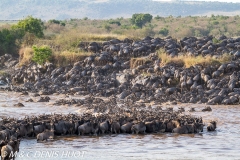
(3, 73)
(65, 58)
(145, 74)
(25, 55)
(59, 58)
(69, 40)
(188, 61)
(135, 62)
(101, 37)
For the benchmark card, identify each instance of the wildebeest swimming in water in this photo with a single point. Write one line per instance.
(44, 136)
(212, 126)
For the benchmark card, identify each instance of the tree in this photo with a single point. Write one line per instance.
(107, 27)
(41, 54)
(164, 31)
(57, 22)
(30, 25)
(114, 22)
(7, 42)
(140, 19)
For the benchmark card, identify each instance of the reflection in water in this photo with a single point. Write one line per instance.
(221, 144)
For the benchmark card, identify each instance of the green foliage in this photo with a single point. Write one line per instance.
(8, 41)
(31, 25)
(125, 26)
(158, 17)
(57, 22)
(148, 31)
(107, 27)
(54, 21)
(41, 54)
(215, 22)
(63, 24)
(114, 22)
(164, 31)
(140, 19)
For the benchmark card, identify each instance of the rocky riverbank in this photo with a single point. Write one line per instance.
(132, 71)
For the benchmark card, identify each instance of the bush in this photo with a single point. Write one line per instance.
(30, 25)
(57, 22)
(164, 31)
(215, 22)
(141, 19)
(114, 22)
(41, 54)
(7, 42)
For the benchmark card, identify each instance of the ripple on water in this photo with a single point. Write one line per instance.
(224, 143)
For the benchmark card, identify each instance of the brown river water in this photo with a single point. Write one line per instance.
(223, 144)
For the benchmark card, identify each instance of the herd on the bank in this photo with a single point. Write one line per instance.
(111, 70)
(45, 127)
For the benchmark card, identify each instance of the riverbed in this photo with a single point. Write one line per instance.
(224, 143)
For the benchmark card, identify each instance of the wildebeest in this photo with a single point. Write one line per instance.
(44, 136)
(139, 128)
(212, 126)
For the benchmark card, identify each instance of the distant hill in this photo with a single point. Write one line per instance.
(105, 9)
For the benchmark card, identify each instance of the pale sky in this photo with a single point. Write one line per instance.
(234, 1)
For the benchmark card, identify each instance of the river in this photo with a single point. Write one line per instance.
(224, 143)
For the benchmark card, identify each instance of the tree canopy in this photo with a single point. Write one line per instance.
(7, 41)
(140, 19)
(31, 25)
(23, 32)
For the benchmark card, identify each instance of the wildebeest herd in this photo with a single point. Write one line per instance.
(114, 71)
(134, 121)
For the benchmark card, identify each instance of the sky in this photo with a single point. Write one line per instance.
(234, 1)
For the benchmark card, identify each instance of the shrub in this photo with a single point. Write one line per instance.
(215, 22)
(41, 54)
(141, 19)
(31, 25)
(158, 17)
(7, 41)
(107, 27)
(114, 22)
(164, 31)
(57, 22)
